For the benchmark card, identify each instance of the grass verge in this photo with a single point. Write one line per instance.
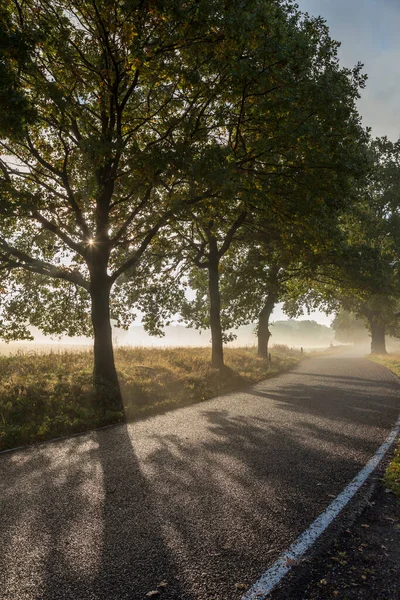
(392, 474)
(43, 396)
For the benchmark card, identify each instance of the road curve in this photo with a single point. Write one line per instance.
(201, 498)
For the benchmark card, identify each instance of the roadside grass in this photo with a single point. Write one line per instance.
(392, 474)
(48, 395)
(390, 361)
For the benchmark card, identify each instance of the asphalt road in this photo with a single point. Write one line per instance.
(202, 498)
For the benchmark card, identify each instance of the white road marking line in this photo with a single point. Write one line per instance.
(280, 568)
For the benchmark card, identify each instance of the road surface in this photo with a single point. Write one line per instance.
(201, 498)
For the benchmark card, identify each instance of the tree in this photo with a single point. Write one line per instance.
(379, 312)
(350, 283)
(379, 300)
(364, 277)
(207, 244)
(128, 107)
(349, 329)
(270, 266)
(143, 111)
(294, 161)
(301, 333)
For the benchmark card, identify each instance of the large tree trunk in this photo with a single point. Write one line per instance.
(378, 344)
(217, 351)
(263, 332)
(104, 373)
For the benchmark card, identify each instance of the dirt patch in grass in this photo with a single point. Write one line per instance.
(47, 395)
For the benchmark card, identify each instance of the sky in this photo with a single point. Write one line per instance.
(369, 33)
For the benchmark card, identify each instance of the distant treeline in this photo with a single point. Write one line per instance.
(301, 333)
(290, 332)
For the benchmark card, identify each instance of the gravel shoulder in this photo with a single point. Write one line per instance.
(362, 562)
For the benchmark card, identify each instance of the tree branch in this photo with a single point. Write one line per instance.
(41, 267)
(53, 228)
(230, 235)
(123, 229)
(131, 262)
(151, 234)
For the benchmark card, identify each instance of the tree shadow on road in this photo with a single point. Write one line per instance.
(347, 399)
(245, 492)
(74, 524)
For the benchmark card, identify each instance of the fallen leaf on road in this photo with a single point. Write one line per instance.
(365, 526)
(162, 584)
(240, 586)
(153, 594)
(323, 582)
(291, 562)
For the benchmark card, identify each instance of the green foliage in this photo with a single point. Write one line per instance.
(55, 307)
(16, 48)
(126, 100)
(363, 277)
(139, 113)
(167, 137)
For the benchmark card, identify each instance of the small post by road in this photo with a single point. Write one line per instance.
(269, 357)
(301, 350)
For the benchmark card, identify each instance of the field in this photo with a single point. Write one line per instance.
(392, 475)
(47, 395)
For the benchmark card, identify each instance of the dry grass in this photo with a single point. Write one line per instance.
(43, 396)
(392, 475)
(391, 361)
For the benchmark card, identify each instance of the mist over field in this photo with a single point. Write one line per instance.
(306, 334)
